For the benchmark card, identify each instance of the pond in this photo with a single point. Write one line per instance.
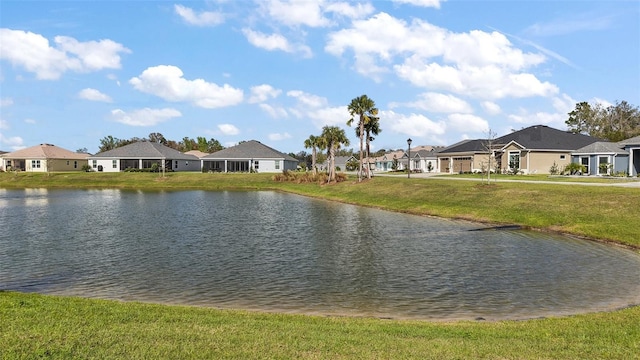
(273, 251)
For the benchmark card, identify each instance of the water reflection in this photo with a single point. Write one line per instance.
(280, 252)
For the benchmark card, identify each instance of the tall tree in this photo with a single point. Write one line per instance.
(202, 143)
(365, 109)
(614, 123)
(214, 145)
(333, 138)
(157, 138)
(314, 143)
(108, 143)
(370, 128)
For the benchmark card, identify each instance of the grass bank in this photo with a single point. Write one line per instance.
(604, 213)
(36, 326)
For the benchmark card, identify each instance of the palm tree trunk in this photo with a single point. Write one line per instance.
(332, 164)
(368, 155)
(313, 160)
(361, 145)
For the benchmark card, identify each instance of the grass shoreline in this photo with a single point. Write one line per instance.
(70, 327)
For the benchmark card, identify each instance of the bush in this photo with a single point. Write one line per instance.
(574, 168)
(307, 177)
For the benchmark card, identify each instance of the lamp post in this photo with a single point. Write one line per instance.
(409, 159)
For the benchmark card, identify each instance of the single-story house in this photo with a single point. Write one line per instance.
(424, 158)
(248, 156)
(386, 161)
(341, 163)
(607, 158)
(142, 155)
(43, 158)
(532, 150)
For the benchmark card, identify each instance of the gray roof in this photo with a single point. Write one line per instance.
(478, 145)
(632, 141)
(542, 137)
(145, 150)
(601, 147)
(248, 150)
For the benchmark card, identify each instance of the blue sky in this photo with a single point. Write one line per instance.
(276, 71)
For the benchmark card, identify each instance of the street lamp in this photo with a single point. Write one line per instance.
(409, 159)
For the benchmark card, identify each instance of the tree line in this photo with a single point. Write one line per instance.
(614, 122)
(186, 144)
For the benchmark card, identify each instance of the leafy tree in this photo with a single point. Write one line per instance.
(332, 139)
(365, 109)
(187, 144)
(109, 143)
(614, 123)
(82, 151)
(214, 145)
(156, 137)
(203, 144)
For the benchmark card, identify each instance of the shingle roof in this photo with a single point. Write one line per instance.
(477, 145)
(602, 147)
(145, 150)
(632, 141)
(542, 137)
(45, 151)
(248, 150)
(196, 153)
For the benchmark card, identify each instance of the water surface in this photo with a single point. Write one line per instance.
(280, 252)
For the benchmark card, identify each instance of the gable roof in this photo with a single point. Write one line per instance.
(601, 147)
(248, 150)
(465, 146)
(196, 153)
(145, 150)
(542, 137)
(45, 151)
(632, 141)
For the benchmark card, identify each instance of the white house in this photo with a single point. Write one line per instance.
(248, 156)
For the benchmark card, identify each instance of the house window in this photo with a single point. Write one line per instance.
(514, 160)
(75, 164)
(95, 164)
(186, 163)
(277, 165)
(114, 164)
(603, 165)
(175, 164)
(67, 162)
(256, 165)
(562, 157)
(35, 164)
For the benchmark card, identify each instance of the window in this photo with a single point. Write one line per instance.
(95, 164)
(75, 164)
(35, 164)
(514, 160)
(562, 157)
(603, 165)
(256, 165)
(175, 164)
(114, 164)
(67, 162)
(277, 164)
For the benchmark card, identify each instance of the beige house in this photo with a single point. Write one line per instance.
(43, 158)
(532, 150)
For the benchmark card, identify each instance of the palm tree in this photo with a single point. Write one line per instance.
(332, 139)
(314, 143)
(370, 128)
(365, 109)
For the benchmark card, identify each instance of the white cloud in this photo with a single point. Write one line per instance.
(33, 53)
(167, 82)
(4, 125)
(14, 143)
(526, 118)
(204, 18)
(262, 93)
(30, 121)
(4, 102)
(491, 108)
(228, 129)
(441, 103)
(412, 124)
(93, 95)
(275, 42)
(308, 100)
(467, 123)
(423, 3)
(564, 103)
(274, 112)
(278, 136)
(296, 12)
(331, 116)
(349, 9)
(144, 117)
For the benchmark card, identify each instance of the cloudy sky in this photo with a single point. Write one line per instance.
(277, 71)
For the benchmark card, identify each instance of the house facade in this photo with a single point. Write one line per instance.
(607, 158)
(248, 156)
(43, 158)
(532, 150)
(143, 155)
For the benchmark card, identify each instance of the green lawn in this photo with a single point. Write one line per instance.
(36, 326)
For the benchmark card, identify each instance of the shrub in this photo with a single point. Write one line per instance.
(574, 168)
(554, 170)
